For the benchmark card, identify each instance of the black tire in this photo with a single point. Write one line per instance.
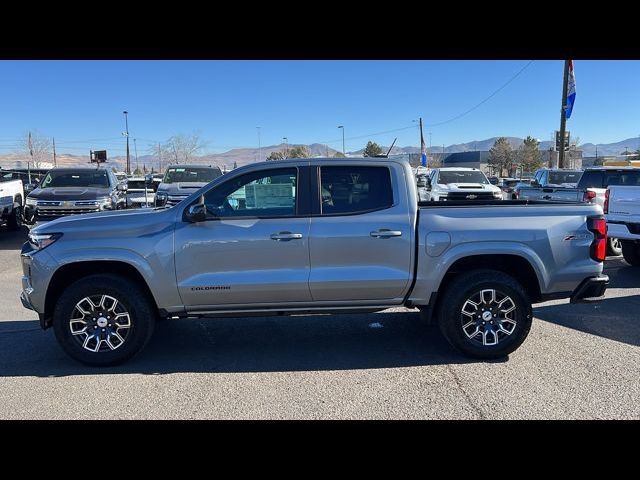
(131, 297)
(15, 219)
(466, 287)
(631, 252)
(614, 247)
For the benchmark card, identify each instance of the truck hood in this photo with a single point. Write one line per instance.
(561, 185)
(70, 193)
(108, 221)
(469, 187)
(181, 188)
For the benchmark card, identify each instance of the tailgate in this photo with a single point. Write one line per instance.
(624, 204)
(551, 194)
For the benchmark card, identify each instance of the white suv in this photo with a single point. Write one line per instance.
(447, 184)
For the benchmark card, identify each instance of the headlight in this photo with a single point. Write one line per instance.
(497, 194)
(32, 202)
(40, 241)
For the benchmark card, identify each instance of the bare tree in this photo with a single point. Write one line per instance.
(41, 147)
(179, 148)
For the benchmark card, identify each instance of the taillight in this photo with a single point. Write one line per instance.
(598, 250)
(589, 196)
(606, 201)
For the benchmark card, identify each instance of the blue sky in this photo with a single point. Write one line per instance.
(305, 101)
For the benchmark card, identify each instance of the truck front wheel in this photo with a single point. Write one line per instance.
(631, 252)
(15, 219)
(485, 314)
(103, 319)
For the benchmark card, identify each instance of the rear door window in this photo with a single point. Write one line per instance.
(353, 189)
(591, 179)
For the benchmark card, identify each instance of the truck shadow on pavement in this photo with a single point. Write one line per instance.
(613, 318)
(13, 240)
(232, 345)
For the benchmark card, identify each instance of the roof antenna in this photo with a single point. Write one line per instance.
(386, 155)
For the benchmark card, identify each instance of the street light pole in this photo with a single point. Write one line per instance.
(286, 146)
(343, 150)
(135, 149)
(126, 134)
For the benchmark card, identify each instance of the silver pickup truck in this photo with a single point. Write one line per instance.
(553, 184)
(309, 236)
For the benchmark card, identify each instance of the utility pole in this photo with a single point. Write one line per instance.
(423, 154)
(135, 148)
(596, 162)
(159, 158)
(55, 164)
(126, 134)
(563, 118)
(259, 146)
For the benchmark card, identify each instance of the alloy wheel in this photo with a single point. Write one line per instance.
(100, 323)
(488, 316)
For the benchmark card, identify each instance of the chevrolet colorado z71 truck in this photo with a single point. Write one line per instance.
(308, 236)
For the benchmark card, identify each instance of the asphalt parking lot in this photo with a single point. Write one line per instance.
(579, 361)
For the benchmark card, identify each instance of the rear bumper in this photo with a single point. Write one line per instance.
(623, 230)
(590, 289)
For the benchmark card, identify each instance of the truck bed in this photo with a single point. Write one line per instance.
(498, 203)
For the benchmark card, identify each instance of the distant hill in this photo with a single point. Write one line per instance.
(244, 156)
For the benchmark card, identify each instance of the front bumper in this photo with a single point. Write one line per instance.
(590, 289)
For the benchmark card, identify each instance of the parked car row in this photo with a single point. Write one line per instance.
(37, 195)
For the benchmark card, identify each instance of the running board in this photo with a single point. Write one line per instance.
(284, 311)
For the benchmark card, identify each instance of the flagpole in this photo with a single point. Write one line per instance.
(563, 116)
(423, 154)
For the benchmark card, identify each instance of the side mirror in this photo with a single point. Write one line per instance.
(196, 213)
(428, 183)
(29, 187)
(121, 187)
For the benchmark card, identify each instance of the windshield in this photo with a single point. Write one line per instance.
(76, 178)
(136, 185)
(462, 176)
(191, 174)
(557, 178)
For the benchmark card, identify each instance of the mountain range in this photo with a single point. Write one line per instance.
(243, 156)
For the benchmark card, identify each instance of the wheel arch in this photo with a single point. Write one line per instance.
(72, 272)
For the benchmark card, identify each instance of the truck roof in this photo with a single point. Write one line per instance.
(458, 169)
(191, 165)
(611, 167)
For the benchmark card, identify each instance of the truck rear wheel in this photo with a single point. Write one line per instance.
(485, 314)
(103, 320)
(614, 247)
(631, 252)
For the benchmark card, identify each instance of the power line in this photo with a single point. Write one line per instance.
(483, 101)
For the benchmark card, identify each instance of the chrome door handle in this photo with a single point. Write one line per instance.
(384, 233)
(285, 236)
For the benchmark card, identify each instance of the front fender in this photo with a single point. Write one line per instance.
(157, 272)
